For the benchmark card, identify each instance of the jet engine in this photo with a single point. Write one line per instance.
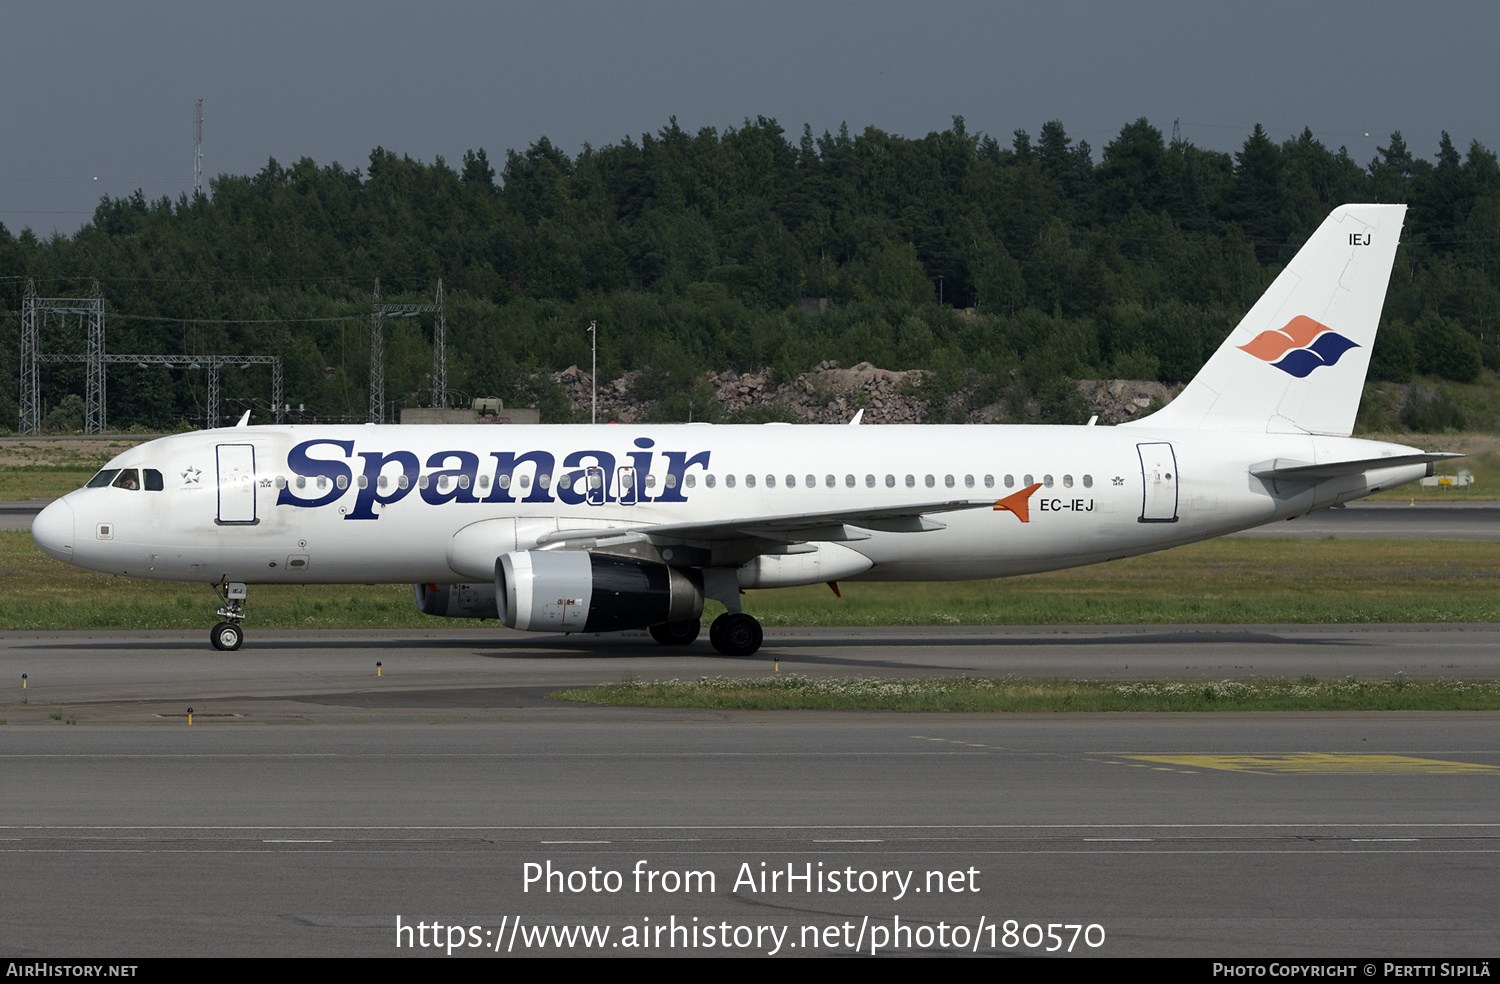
(574, 591)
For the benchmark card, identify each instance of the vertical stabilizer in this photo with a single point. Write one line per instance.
(1296, 363)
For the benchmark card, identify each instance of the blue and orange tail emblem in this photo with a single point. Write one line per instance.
(1299, 348)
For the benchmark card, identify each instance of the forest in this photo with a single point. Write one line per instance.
(1008, 270)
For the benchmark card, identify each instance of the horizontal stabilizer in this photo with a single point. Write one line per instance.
(1287, 468)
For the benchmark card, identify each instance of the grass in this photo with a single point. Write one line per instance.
(39, 468)
(21, 482)
(795, 692)
(1220, 581)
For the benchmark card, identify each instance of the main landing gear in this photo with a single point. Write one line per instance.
(732, 634)
(676, 633)
(227, 635)
(735, 634)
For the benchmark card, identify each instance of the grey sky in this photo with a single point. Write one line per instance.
(105, 90)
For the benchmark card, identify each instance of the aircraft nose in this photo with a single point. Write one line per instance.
(53, 531)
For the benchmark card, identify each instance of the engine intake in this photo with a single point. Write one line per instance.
(573, 591)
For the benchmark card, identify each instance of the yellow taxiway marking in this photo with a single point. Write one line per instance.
(1323, 764)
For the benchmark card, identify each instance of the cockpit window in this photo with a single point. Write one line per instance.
(128, 478)
(102, 479)
(153, 480)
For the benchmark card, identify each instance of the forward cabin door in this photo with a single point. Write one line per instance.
(236, 485)
(1159, 475)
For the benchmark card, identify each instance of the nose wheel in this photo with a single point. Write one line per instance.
(735, 634)
(227, 636)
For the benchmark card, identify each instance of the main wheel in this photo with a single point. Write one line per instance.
(676, 633)
(226, 636)
(735, 634)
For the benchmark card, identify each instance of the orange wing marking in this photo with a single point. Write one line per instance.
(1018, 503)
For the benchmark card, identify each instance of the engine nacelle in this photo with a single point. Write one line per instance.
(457, 600)
(574, 591)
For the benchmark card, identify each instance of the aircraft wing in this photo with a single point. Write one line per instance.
(837, 524)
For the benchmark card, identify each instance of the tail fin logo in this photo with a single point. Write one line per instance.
(1299, 348)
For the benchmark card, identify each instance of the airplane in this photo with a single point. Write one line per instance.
(583, 528)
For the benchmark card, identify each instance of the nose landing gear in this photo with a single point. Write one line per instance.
(227, 635)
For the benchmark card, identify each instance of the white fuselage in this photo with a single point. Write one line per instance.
(326, 504)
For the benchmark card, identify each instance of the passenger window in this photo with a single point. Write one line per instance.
(342, 481)
(364, 482)
(812, 481)
(154, 482)
(791, 481)
(708, 480)
(463, 481)
(1046, 481)
(525, 481)
(323, 482)
(829, 481)
(749, 481)
(948, 481)
(650, 481)
(421, 481)
(670, 481)
(869, 481)
(911, 481)
(848, 481)
(890, 481)
(989, 481)
(729, 481)
(280, 481)
(1067, 481)
(691, 480)
(930, 481)
(968, 481)
(1027, 482)
(1088, 481)
(770, 481)
(1010, 482)
(503, 481)
(545, 480)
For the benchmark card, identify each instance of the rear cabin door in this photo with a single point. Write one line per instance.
(1159, 475)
